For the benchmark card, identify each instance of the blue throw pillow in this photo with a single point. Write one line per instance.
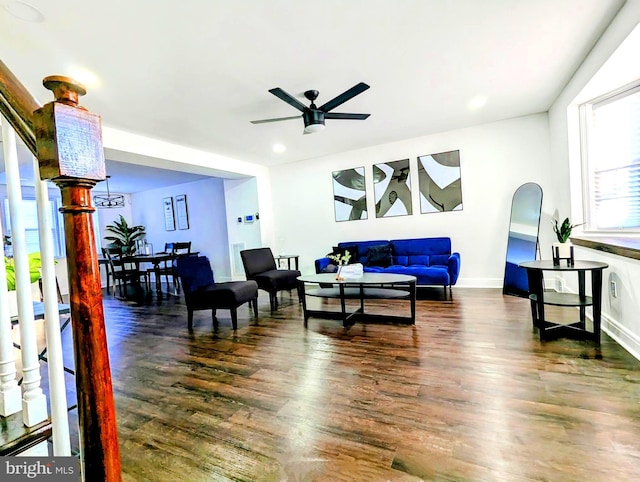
(379, 256)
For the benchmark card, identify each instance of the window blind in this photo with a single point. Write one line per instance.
(614, 162)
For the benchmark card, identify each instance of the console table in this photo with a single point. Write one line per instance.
(288, 258)
(539, 298)
(369, 286)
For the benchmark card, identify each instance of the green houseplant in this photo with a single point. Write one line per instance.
(563, 231)
(124, 236)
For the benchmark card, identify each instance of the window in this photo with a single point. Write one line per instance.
(611, 160)
(30, 218)
(30, 210)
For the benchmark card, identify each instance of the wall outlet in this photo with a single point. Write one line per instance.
(561, 285)
(613, 288)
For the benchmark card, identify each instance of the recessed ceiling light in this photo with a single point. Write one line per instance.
(279, 148)
(24, 11)
(477, 102)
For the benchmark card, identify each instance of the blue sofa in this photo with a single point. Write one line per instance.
(430, 260)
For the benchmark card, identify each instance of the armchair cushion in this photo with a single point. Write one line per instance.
(195, 273)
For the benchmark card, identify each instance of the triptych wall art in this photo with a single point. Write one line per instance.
(439, 179)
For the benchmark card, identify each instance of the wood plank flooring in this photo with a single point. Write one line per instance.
(468, 393)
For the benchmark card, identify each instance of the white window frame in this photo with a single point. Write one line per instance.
(585, 113)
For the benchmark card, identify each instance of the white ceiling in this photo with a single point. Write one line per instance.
(195, 72)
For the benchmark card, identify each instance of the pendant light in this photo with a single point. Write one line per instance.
(106, 201)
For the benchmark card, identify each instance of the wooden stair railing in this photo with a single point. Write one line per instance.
(75, 166)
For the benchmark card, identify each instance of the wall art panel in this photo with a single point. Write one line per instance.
(392, 187)
(349, 195)
(440, 182)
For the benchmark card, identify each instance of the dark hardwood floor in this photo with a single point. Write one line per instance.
(468, 393)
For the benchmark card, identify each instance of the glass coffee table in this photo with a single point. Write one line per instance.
(369, 286)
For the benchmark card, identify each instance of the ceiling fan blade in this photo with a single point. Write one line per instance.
(264, 121)
(288, 98)
(345, 96)
(340, 115)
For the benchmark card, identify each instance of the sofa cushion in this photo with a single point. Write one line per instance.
(421, 246)
(379, 255)
(425, 275)
(362, 248)
(439, 260)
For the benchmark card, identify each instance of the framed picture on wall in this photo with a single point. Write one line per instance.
(182, 214)
(392, 188)
(440, 182)
(349, 196)
(169, 220)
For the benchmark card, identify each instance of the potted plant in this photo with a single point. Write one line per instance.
(341, 260)
(562, 249)
(124, 236)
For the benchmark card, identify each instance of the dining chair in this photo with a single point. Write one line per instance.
(177, 249)
(123, 273)
(260, 266)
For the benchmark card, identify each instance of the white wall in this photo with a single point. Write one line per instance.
(241, 197)
(207, 220)
(495, 160)
(620, 315)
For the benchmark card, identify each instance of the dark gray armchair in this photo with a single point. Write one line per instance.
(260, 266)
(201, 292)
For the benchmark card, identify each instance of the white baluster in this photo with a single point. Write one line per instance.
(55, 364)
(9, 390)
(34, 403)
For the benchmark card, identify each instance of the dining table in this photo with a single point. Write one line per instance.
(156, 260)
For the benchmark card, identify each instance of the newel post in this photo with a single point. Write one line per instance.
(70, 153)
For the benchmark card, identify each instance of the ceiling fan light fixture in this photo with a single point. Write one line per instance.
(313, 121)
(311, 128)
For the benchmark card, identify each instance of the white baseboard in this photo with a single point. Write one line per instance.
(622, 335)
(479, 283)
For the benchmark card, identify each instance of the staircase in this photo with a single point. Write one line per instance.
(67, 142)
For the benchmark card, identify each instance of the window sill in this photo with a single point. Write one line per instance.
(621, 246)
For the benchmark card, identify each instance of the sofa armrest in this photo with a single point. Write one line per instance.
(321, 264)
(453, 266)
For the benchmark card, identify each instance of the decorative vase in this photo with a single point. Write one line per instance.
(338, 276)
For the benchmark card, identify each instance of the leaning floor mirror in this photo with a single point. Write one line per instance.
(522, 244)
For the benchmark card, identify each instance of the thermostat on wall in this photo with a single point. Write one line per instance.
(248, 218)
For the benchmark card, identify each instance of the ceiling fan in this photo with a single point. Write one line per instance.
(313, 116)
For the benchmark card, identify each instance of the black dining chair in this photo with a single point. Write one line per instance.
(260, 266)
(123, 273)
(201, 292)
(176, 250)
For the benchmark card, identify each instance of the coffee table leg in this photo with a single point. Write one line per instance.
(412, 290)
(304, 301)
(343, 305)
